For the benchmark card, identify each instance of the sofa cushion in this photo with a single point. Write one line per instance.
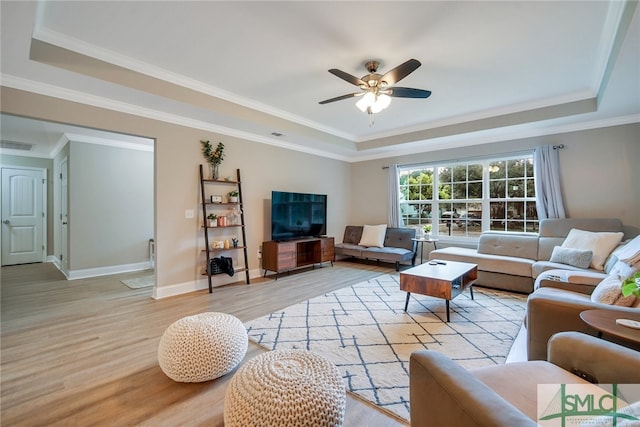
(349, 249)
(517, 382)
(352, 234)
(562, 295)
(575, 257)
(609, 291)
(400, 238)
(373, 235)
(600, 243)
(541, 266)
(514, 245)
(486, 262)
(388, 253)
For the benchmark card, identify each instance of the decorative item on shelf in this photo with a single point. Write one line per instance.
(233, 196)
(217, 244)
(213, 157)
(222, 221)
(213, 220)
(226, 244)
(235, 215)
(234, 240)
(216, 199)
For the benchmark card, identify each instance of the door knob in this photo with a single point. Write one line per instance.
(6, 221)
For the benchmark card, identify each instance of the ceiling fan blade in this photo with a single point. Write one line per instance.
(340, 98)
(407, 92)
(347, 77)
(400, 72)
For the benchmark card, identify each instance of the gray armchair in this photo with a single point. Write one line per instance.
(555, 306)
(442, 393)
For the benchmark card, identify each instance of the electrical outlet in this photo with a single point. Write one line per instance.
(189, 214)
(259, 254)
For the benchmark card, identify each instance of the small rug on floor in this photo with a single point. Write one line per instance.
(365, 332)
(140, 282)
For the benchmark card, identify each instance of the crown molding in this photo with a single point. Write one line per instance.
(83, 48)
(452, 141)
(109, 104)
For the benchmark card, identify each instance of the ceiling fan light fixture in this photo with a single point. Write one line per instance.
(366, 101)
(377, 89)
(383, 100)
(372, 103)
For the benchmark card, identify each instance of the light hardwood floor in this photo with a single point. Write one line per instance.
(84, 352)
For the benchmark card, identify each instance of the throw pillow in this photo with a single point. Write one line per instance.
(373, 235)
(609, 291)
(600, 243)
(575, 257)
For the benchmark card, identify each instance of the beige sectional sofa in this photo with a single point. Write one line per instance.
(513, 261)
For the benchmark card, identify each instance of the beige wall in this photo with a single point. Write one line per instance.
(179, 241)
(110, 208)
(596, 164)
(599, 173)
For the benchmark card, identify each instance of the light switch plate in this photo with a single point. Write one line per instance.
(188, 214)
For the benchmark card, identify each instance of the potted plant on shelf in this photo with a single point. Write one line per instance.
(213, 157)
(213, 220)
(233, 196)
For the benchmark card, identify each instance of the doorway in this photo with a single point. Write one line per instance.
(24, 229)
(83, 166)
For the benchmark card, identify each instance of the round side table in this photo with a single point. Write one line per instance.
(604, 321)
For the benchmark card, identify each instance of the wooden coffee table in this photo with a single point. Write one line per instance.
(446, 280)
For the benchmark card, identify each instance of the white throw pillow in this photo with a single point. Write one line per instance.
(373, 235)
(609, 291)
(600, 243)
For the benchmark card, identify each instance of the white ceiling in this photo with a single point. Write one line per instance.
(497, 70)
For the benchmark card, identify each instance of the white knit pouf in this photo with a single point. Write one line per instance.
(285, 388)
(202, 347)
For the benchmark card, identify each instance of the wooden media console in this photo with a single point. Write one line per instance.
(286, 255)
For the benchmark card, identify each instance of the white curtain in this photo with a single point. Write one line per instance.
(546, 165)
(395, 218)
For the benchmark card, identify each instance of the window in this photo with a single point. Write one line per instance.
(463, 199)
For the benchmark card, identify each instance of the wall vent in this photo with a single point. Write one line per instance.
(13, 145)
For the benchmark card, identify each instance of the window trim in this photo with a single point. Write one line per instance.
(484, 202)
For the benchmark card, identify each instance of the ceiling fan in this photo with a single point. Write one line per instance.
(376, 89)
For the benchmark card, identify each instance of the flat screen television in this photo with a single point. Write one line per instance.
(297, 215)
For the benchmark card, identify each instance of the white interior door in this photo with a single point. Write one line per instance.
(23, 216)
(64, 215)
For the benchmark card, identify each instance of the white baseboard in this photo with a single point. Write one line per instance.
(198, 285)
(105, 271)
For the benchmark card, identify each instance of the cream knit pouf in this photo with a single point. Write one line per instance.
(202, 347)
(285, 388)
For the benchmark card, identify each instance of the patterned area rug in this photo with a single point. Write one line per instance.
(365, 332)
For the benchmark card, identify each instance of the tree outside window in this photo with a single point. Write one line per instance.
(461, 208)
